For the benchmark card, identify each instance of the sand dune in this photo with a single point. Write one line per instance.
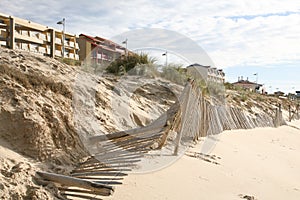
(260, 163)
(42, 102)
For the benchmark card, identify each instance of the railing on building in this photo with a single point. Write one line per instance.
(16, 33)
(99, 50)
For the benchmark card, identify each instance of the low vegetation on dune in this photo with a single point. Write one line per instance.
(126, 63)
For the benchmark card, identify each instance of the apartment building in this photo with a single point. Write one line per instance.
(16, 33)
(98, 50)
(206, 73)
(247, 85)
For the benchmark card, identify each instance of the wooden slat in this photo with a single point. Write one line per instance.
(81, 196)
(98, 173)
(95, 178)
(97, 168)
(97, 188)
(132, 132)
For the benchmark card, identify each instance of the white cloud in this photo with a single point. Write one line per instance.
(232, 32)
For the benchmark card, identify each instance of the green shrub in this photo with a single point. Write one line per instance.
(244, 97)
(125, 63)
(229, 86)
(174, 73)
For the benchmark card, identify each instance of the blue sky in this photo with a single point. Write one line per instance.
(243, 37)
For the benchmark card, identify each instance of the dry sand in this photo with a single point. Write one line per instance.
(16, 176)
(38, 132)
(262, 163)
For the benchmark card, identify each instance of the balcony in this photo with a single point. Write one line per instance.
(3, 26)
(41, 49)
(28, 38)
(58, 53)
(58, 40)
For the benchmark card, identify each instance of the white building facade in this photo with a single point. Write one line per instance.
(207, 73)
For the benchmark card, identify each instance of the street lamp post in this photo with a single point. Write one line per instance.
(63, 22)
(166, 54)
(256, 74)
(125, 42)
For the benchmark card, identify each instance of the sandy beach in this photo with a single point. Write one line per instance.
(40, 131)
(261, 163)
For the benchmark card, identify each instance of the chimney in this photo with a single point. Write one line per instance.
(247, 79)
(238, 78)
(241, 78)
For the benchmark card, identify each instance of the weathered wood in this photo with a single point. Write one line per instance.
(164, 137)
(194, 115)
(119, 165)
(127, 144)
(101, 178)
(97, 188)
(98, 168)
(74, 190)
(99, 173)
(118, 154)
(131, 141)
(90, 160)
(120, 161)
(184, 111)
(131, 132)
(123, 154)
(81, 196)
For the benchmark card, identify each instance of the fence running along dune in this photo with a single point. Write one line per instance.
(193, 116)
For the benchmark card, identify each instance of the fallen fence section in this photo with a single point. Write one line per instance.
(114, 155)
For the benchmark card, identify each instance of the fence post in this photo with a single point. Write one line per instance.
(183, 108)
(297, 111)
(279, 116)
(290, 114)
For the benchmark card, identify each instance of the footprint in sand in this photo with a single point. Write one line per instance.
(208, 158)
(248, 197)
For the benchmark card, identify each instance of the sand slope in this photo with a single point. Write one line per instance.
(43, 120)
(263, 163)
(17, 176)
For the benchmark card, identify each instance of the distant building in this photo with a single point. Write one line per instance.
(16, 33)
(206, 73)
(246, 84)
(291, 96)
(99, 50)
(298, 94)
(279, 93)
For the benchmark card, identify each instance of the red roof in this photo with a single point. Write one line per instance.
(100, 39)
(87, 36)
(246, 82)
